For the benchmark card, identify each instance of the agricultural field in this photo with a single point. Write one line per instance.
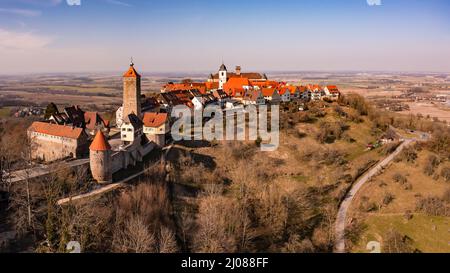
(5, 112)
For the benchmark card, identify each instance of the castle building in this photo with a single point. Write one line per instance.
(100, 159)
(131, 92)
(51, 142)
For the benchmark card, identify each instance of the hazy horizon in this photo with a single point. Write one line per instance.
(206, 73)
(49, 36)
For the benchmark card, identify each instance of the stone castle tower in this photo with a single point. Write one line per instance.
(222, 76)
(100, 159)
(131, 92)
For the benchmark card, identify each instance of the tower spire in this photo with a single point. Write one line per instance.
(131, 61)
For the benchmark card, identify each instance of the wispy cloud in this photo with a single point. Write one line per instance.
(21, 12)
(22, 40)
(117, 2)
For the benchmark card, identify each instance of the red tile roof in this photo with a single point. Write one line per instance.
(333, 89)
(99, 143)
(236, 85)
(92, 119)
(212, 85)
(200, 86)
(131, 73)
(283, 90)
(265, 84)
(152, 119)
(268, 92)
(249, 75)
(56, 130)
(302, 88)
(292, 89)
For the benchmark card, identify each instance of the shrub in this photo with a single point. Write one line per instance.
(388, 198)
(440, 142)
(432, 206)
(409, 153)
(399, 178)
(445, 173)
(431, 164)
(331, 156)
(446, 196)
(305, 117)
(330, 131)
(340, 111)
(296, 245)
(300, 134)
(394, 242)
(316, 112)
(407, 186)
(367, 206)
(408, 215)
(356, 102)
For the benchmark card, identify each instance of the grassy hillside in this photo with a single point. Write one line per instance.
(289, 196)
(429, 234)
(409, 199)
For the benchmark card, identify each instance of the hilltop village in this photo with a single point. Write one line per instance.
(143, 123)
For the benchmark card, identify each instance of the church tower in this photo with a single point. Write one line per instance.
(222, 76)
(131, 92)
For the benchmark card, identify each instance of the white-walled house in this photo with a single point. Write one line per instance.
(332, 92)
(156, 127)
(317, 92)
(271, 95)
(198, 103)
(285, 95)
(131, 129)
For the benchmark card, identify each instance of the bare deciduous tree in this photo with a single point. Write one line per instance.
(135, 237)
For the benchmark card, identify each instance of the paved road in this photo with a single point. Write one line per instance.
(21, 175)
(339, 246)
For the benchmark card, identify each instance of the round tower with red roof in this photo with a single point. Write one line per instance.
(100, 159)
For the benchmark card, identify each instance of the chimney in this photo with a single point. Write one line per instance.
(238, 70)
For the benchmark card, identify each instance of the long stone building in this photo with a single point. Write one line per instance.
(50, 142)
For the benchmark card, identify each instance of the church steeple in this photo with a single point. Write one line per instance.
(222, 75)
(223, 67)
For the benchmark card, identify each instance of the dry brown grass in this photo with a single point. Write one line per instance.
(422, 186)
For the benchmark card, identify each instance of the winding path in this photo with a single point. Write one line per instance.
(339, 246)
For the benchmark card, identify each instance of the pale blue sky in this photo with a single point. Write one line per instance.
(194, 36)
